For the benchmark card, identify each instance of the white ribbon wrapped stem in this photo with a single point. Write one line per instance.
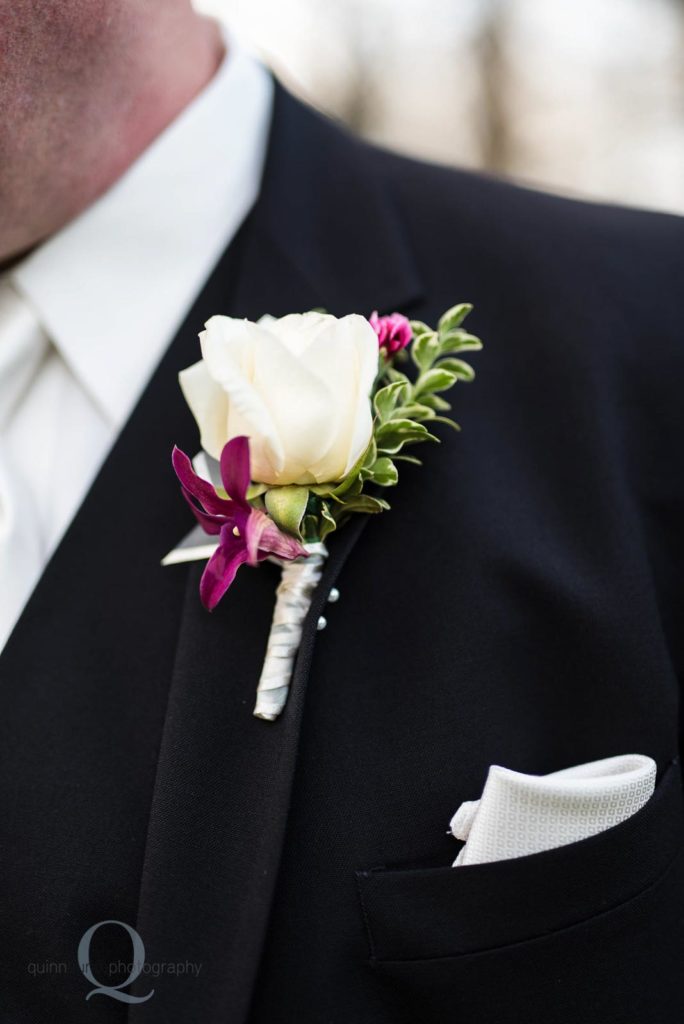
(293, 599)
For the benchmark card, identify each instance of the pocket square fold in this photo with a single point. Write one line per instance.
(523, 814)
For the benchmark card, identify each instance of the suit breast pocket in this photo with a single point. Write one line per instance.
(592, 932)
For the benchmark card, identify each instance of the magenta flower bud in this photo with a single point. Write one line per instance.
(393, 331)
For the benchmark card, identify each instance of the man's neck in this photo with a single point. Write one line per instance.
(79, 156)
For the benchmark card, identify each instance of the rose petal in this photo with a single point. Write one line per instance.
(209, 405)
(300, 405)
(365, 345)
(298, 330)
(347, 359)
(228, 348)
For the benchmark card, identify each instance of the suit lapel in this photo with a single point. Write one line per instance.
(223, 778)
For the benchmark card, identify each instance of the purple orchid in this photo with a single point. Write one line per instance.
(393, 331)
(246, 534)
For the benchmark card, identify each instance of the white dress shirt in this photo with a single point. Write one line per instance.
(86, 317)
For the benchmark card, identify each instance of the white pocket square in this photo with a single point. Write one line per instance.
(522, 814)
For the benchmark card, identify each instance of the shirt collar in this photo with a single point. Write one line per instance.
(112, 287)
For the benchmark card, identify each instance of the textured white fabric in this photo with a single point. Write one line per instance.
(522, 814)
(88, 315)
(23, 348)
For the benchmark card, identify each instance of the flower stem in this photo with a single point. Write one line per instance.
(298, 581)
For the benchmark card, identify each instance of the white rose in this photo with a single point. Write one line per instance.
(298, 387)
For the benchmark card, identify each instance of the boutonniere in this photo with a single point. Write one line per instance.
(303, 421)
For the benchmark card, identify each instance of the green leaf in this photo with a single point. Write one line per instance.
(450, 423)
(355, 487)
(286, 506)
(396, 433)
(399, 427)
(416, 411)
(459, 341)
(435, 402)
(387, 398)
(404, 425)
(460, 369)
(396, 375)
(419, 328)
(328, 521)
(454, 317)
(370, 454)
(438, 379)
(335, 488)
(351, 486)
(385, 473)
(408, 458)
(365, 503)
(425, 350)
(309, 528)
(352, 480)
(253, 491)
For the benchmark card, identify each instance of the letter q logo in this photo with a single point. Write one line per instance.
(138, 962)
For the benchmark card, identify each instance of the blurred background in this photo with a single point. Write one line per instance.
(584, 97)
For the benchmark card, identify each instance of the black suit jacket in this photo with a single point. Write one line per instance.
(521, 604)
